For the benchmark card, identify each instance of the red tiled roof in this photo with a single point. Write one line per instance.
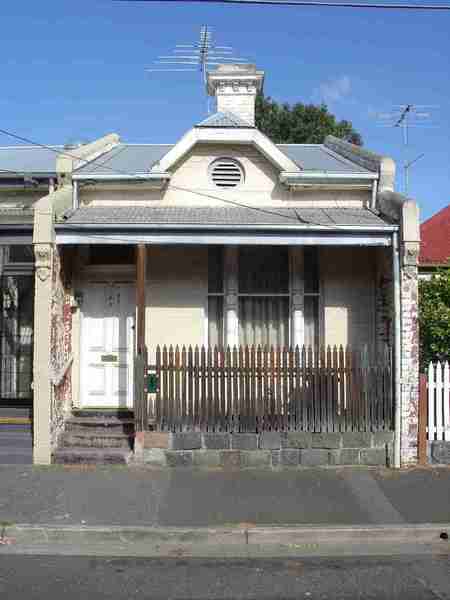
(435, 239)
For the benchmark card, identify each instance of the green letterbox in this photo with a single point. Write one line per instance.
(152, 383)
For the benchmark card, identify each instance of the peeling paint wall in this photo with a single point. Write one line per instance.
(409, 363)
(384, 299)
(61, 347)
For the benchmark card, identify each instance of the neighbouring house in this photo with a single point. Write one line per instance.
(23, 181)
(434, 243)
(27, 174)
(224, 293)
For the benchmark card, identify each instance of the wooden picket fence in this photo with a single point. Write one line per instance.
(255, 389)
(439, 401)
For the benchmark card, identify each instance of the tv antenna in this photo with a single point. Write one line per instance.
(196, 57)
(405, 116)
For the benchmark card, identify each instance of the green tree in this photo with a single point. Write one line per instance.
(300, 123)
(434, 318)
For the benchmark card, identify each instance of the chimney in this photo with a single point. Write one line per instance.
(235, 88)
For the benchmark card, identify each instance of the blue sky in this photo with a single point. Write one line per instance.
(76, 70)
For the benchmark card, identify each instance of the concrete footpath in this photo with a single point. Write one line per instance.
(144, 512)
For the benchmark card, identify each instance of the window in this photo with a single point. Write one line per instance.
(311, 307)
(215, 296)
(226, 173)
(264, 296)
(16, 336)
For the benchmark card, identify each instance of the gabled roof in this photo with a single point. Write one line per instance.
(140, 158)
(28, 159)
(126, 159)
(224, 119)
(435, 239)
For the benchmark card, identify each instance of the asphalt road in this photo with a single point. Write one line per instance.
(374, 578)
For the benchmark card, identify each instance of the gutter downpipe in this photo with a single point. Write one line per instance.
(373, 204)
(74, 195)
(397, 349)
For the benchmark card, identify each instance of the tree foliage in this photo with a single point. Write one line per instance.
(434, 318)
(301, 123)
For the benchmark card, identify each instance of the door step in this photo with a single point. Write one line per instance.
(99, 425)
(91, 456)
(95, 437)
(104, 413)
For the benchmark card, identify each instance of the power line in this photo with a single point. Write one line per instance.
(297, 219)
(319, 3)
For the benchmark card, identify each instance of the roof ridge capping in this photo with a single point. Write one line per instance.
(383, 165)
(66, 162)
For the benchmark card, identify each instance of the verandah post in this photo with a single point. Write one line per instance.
(140, 395)
(141, 260)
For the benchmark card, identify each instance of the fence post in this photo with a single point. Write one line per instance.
(423, 419)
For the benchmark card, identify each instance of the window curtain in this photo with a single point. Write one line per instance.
(215, 321)
(264, 316)
(311, 315)
(264, 321)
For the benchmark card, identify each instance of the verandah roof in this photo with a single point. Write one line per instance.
(217, 225)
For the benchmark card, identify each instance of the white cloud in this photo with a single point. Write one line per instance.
(334, 90)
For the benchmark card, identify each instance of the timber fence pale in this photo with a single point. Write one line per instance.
(252, 388)
(439, 401)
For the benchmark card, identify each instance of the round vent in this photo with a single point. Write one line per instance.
(226, 173)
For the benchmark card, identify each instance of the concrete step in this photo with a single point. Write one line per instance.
(89, 456)
(100, 425)
(92, 439)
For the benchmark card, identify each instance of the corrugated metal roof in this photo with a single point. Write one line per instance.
(224, 119)
(28, 159)
(139, 158)
(148, 215)
(126, 159)
(317, 157)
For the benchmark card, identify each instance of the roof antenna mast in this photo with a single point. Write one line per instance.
(405, 116)
(196, 57)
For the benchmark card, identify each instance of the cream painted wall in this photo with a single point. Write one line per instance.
(348, 295)
(176, 296)
(190, 185)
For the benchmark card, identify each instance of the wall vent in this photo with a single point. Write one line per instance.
(226, 173)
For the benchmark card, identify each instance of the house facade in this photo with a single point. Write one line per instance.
(229, 249)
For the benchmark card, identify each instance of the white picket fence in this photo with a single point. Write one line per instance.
(439, 401)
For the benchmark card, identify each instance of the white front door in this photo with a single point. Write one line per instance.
(107, 346)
